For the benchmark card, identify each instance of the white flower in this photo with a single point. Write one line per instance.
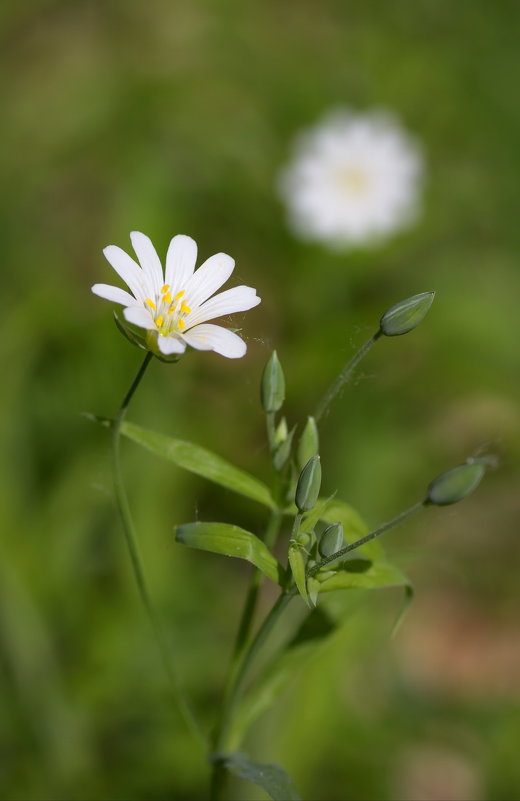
(176, 305)
(355, 179)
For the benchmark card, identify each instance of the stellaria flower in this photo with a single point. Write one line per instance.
(354, 179)
(174, 307)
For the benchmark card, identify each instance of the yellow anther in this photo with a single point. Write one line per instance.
(167, 298)
(179, 294)
(171, 309)
(150, 303)
(181, 324)
(165, 289)
(159, 320)
(185, 309)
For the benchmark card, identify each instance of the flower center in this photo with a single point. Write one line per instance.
(169, 312)
(353, 179)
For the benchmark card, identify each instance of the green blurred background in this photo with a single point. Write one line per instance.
(170, 118)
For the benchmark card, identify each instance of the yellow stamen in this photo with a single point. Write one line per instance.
(165, 289)
(185, 309)
(159, 320)
(171, 309)
(179, 294)
(150, 303)
(181, 324)
(167, 298)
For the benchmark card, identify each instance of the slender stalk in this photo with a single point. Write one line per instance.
(131, 542)
(343, 377)
(373, 534)
(235, 686)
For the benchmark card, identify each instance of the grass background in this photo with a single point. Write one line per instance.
(172, 117)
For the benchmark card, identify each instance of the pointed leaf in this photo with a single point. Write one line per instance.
(200, 461)
(272, 778)
(231, 541)
(359, 574)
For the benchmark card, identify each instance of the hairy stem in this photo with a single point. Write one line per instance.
(235, 686)
(373, 534)
(135, 559)
(343, 377)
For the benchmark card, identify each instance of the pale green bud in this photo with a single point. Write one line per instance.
(456, 484)
(406, 315)
(309, 484)
(280, 435)
(273, 385)
(331, 540)
(308, 444)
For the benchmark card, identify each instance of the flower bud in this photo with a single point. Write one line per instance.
(283, 450)
(331, 540)
(309, 484)
(406, 315)
(273, 385)
(456, 484)
(308, 444)
(280, 435)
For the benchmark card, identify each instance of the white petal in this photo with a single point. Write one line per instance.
(113, 293)
(128, 270)
(180, 262)
(169, 345)
(139, 316)
(240, 298)
(148, 259)
(208, 278)
(214, 337)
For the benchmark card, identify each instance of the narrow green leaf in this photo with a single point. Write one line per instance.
(272, 778)
(297, 564)
(351, 574)
(231, 541)
(200, 461)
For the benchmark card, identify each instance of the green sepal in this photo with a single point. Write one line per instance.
(456, 484)
(406, 315)
(132, 336)
(272, 388)
(308, 444)
(309, 485)
(233, 541)
(332, 540)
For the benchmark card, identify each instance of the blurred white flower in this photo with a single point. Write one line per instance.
(354, 179)
(175, 306)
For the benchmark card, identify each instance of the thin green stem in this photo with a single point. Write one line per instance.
(343, 377)
(373, 534)
(135, 559)
(236, 684)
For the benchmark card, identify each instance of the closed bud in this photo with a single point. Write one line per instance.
(309, 443)
(406, 315)
(456, 484)
(273, 385)
(309, 484)
(331, 540)
(280, 435)
(283, 450)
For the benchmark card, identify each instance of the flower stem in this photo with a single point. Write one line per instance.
(373, 534)
(343, 377)
(235, 685)
(131, 542)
